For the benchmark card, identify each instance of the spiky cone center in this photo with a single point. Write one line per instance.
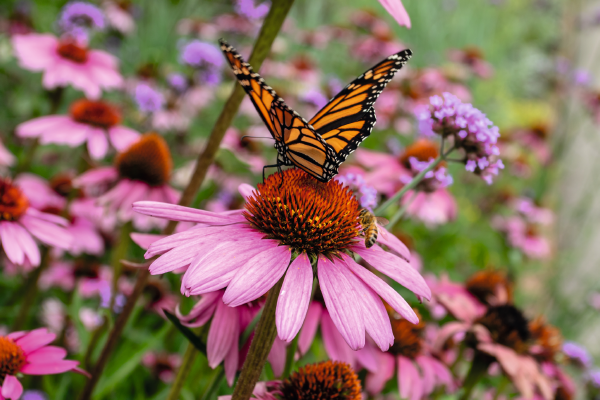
(305, 214)
(547, 337)
(72, 51)
(13, 202)
(323, 381)
(507, 326)
(12, 358)
(148, 160)
(485, 285)
(97, 113)
(408, 337)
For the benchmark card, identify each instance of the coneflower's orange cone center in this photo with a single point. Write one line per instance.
(72, 51)
(326, 380)
(408, 338)
(97, 113)
(12, 358)
(13, 202)
(148, 160)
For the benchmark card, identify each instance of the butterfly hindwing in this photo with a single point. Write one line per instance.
(349, 117)
(295, 140)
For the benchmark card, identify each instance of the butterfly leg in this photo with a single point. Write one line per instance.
(278, 166)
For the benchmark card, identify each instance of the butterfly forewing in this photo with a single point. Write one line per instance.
(349, 117)
(295, 140)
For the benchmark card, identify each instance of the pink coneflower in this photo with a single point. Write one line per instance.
(19, 223)
(119, 16)
(141, 172)
(162, 365)
(27, 352)
(65, 61)
(472, 57)
(249, 250)
(228, 324)
(90, 277)
(419, 372)
(94, 122)
(396, 9)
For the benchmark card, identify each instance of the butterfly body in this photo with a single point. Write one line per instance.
(322, 144)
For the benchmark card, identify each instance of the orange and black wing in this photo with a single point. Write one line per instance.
(349, 117)
(295, 140)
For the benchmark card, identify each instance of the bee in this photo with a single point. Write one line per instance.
(369, 223)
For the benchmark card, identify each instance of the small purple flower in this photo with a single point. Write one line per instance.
(177, 81)
(80, 14)
(582, 77)
(34, 395)
(469, 129)
(247, 8)
(205, 57)
(440, 174)
(593, 377)
(577, 353)
(315, 97)
(147, 98)
(367, 194)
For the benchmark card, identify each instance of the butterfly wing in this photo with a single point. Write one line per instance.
(349, 117)
(295, 140)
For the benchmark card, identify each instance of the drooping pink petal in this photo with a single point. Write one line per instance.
(12, 388)
(122, 137)
(409, 381)
(393, 243)
(396, 9)
(215, 268)
(277, 357)
(294, 298)
(55, 367)
(179, 213)
(69, 133)
(340, 300)
(393, 298)
(97, 143)
(443, 375)
(180, 257)
(96, 176)
(386, 367)
(366, 357)
(144, 240)
(375, 317)
(55, 219)
(47, 232)
(257, 276)
(30, 248)
(223, 334)
(394, 267)
(447, 331)
(202, 311)
(428, 374)
(46, 354)
(35, 127)
(246, 190)
(34, 51)
(231, 363)
(309, 329)
(335, 345)
(35, 339)
(11, 246)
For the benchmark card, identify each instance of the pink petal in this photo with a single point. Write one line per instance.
(257, 276)
(335, 345)
(122, 137)
(394, 267)
(428, 374)
(223, 334)
(144, 240)
(191, 235)
(393, 298)
(47, 232)
(376, 319)
(341, 301)
(56, 367)
(55, 219)
(96, 176)
(215, 268)
(246, 190)
(35, 340)
(97, 143)
(309, 329)
(38, 126)
(179, 213)
(393, 243)
(202, 311)
(366, 357)
(12, 388)
(508, 359)
(11, 246)
(231, 364)
(294, 298)
(376, 381)
(447, 331)
(409, 381)
(277, 357)
(46, 354)
(396, 9)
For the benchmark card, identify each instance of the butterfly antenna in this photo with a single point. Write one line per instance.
(256, 137)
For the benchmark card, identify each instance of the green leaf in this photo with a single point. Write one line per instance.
(187, 332)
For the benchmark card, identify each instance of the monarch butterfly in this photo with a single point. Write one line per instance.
(322, 144)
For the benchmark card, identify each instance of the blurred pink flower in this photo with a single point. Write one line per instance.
(19, 222)
(140, 173)
(28, 353)
(7, 159)
(64, 62)
(118, 17)
(472, 57)
(259, 263)
(396, 9)
(162, 365)
(436, 208)
(228, 324)
(94, 122)
(91, 277)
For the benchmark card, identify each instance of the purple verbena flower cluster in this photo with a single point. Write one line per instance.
(205, 57)
(248, 9)
(147, 98)
(367, 194)
(177, 81)
(439, 174)
(78, 17)
(470, 130)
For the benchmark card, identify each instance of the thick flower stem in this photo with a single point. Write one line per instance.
(271, 26)
(412, 184)
(30, 291)
(269, 30)
(481, 363)
(119, 253)
(263, 340)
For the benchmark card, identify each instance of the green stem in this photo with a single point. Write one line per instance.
(400, 213)
(184, 370)
(94, 339)
(263, 340)
(119, 253)
(215, 383)
(412, 184)
(30, 291)
(481, 363)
